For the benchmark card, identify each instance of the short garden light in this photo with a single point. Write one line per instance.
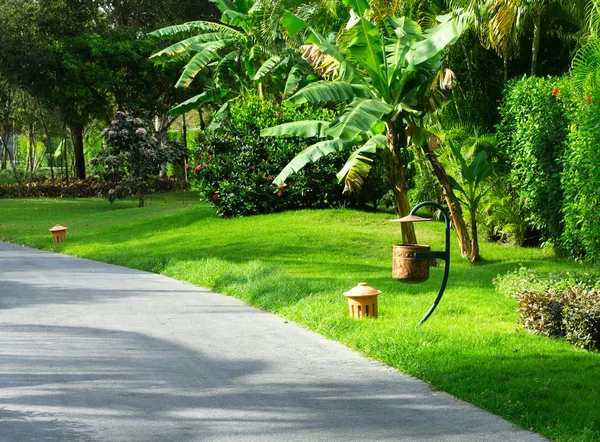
(362, 301)
(411, 261)
(59, 233)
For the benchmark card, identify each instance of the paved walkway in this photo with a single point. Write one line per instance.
(96, 352)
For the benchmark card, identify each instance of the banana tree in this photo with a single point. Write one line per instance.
(248, 48)
(470, 186)
(387, 74)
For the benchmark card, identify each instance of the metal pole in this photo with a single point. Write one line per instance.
(444, 255)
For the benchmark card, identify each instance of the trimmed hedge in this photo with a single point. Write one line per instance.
(533, 136)
(560, 304)
(89, 188)
(581, 181)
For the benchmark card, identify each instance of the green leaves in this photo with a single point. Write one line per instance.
(329, 91)
(359, 117)
(207, 54)
(305, 129)
(310, 155)
(198, 100)
(293, 24)
(358, 166)
(437, 39)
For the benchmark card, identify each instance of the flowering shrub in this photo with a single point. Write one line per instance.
(533, 136)
(235, 167)
(132, 157)
(557, 304)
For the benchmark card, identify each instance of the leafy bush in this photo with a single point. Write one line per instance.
(90, 188)
(235, 166)
(132, 157)
(580, 180)
(561, 304)
(533, 135)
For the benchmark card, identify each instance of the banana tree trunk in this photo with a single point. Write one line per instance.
(466, 249)
(475, 248)
(397, 179)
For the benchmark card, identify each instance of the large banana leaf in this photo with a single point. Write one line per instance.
(358, 166)
(180, 47)
(192, 28)
(267, 67)
(293, 24)
(436, 40)
(358, 118)
(224, 5)
(199, 61)
(329, 91)
(310, 155)
(294, 78)
(306, 128)
(366, 49)
(220, 117)
(203, 98)
(234, 18)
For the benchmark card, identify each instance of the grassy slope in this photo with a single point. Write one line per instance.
(298, 264)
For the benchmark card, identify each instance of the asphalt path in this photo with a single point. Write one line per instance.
(96, 352)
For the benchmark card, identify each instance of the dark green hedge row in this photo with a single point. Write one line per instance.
(549, 136)
(581, 180)
(565, 304)
(89, 188)
(532, 137)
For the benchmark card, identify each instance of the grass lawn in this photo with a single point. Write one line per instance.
(298, 264)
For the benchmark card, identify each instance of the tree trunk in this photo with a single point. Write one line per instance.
(141, 197)
(77, 138)
(475, 245)
(452, 201)
(535, 49)
(5, 135)
(64, 152)
(185, 147)
(397, 178)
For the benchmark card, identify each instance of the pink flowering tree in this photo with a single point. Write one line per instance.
(132, 157)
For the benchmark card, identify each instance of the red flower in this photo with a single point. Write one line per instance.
(556, 91)
(279, 194)
(277, 114)
(210, 156)
(253, 167)
(588, 99)
(201, 156)
(281, 186)
(216, 197)
(197, 168)
(187, 166)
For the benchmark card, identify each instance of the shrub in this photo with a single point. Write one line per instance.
(132, 157)
(580, 178)
(89, 188)
(563, 304)
(235, 166)
(533, 134)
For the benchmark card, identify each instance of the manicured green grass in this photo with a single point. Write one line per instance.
(298, 265)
